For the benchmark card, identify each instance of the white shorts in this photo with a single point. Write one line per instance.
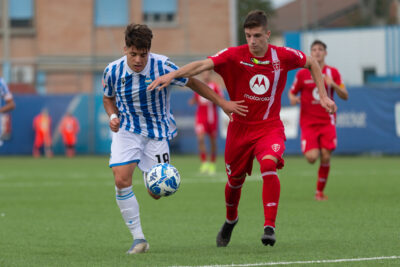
(128, 147)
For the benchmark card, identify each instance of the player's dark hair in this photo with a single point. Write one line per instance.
(256, 18)
(319, 42)
(138, 35)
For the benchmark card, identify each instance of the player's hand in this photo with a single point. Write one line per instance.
(114, 124)
(230, 107)
(294, 99)
(328, 104)
(161, 82)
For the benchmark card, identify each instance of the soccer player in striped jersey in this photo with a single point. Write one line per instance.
(255, 72)
(318, 130)
(6, 105)
(141, 120)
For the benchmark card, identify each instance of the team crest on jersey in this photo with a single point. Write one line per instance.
(123, 80)
(259, 84)
(276, 147)
(276, 64)
(148, 81)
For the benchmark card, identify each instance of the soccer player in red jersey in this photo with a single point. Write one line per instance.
(206, 123)
(42, 128)
(69, 128)
(318, 131)
(256, 73)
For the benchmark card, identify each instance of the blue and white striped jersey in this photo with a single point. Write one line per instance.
(4, 92)
(147, 113)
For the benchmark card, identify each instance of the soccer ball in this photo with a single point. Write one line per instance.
(163, 180)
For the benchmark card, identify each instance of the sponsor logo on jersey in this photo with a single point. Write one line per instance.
(309, 81)
(247, 64)
(260, 62)
(315, 94)
(259, 84)
(256, 98)
(276, 147)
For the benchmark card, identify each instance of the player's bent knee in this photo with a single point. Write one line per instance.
(311, 158)
(236, 182)
(121, 180)
(267, 166)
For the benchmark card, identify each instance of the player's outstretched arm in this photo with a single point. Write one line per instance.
(112, 112)
(228, 107)
(327, 103)
(188, 70)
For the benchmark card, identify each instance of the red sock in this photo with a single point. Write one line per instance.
(271, 191)
(233, 189)
(323, 173)
(203, 156)
(213, 157)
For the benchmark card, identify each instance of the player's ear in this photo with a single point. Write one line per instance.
(125, 50)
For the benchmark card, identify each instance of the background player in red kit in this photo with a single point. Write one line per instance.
(318, 131)
(256, 73)
(207, 124)
(69, 128)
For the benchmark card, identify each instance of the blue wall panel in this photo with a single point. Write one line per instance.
(369, 122)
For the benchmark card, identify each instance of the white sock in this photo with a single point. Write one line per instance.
(129, 207)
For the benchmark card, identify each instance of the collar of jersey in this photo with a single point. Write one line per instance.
(143, 72)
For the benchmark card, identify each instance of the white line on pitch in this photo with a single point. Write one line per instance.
(297, 262)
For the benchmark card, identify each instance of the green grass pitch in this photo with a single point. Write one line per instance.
(62, 212)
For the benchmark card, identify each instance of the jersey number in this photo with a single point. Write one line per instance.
(163, 158)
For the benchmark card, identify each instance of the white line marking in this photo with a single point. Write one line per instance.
(298, 262)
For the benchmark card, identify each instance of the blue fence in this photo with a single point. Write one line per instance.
(369, 122)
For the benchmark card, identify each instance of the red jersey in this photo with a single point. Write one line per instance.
(207, 110)
(69, 128)
(259, 81)
(42, 127)
(311, 112)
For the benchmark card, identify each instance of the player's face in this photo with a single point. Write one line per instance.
(257, 39)
(318, 52)
(137, 59)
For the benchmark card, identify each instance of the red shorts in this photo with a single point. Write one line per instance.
(42, 138)
(246, 141)
(69, 139)
(202, 127)
(318, 136)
